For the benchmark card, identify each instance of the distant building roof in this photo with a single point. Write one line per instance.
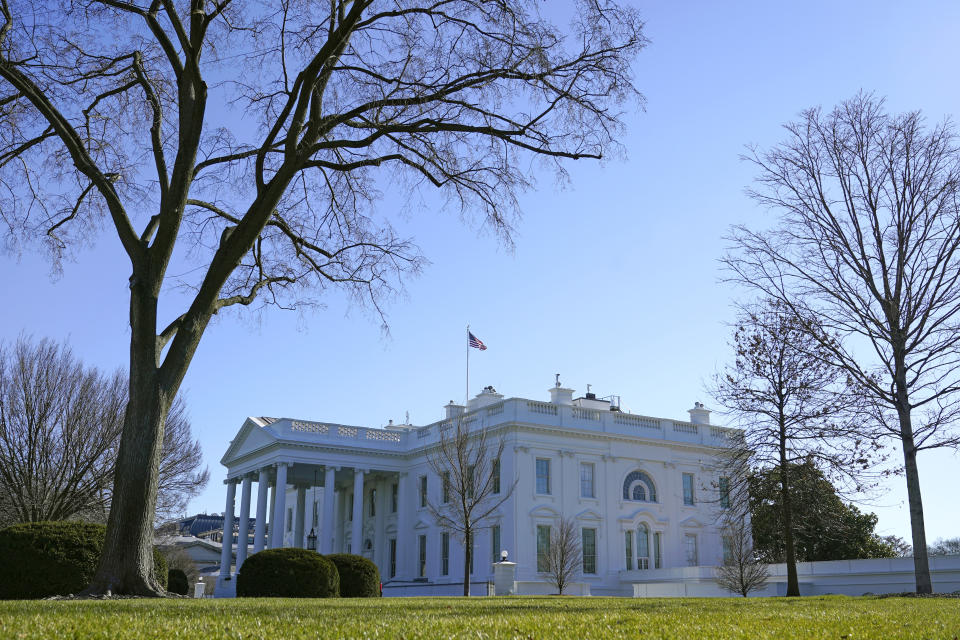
(204, 523)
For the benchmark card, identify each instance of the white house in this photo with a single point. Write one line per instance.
(643, 491)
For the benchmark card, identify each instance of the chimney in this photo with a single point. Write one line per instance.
(560, 395)
(699, 414)
(453, 410)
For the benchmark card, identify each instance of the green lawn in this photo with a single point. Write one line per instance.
(834, 617)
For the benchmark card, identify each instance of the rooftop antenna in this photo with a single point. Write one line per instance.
(588, 388)
(407, 418)
(558, 380)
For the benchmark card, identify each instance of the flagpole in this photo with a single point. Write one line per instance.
(467, 397)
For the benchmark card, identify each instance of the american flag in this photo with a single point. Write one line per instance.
(476, 343)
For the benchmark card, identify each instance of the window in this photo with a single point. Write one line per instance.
(423, 491)
(628, 545)
(588, 547)
(394, 497)
(656, 550)
(496, 476)
(643, 546)
(543, 475)
(725, 493)
(350, 512)
(495, 543)
(727, 542)
(422, 568)
(690, 549)
(586, 480)
(543, 546)
(446, 487)
(688, 488)
(473, 554)
(470, 471)
(445, 554)
(639, 487)
(373, 502)
(316, 515)
(289, 519)
(393, 557)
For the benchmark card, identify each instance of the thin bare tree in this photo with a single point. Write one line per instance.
(741, 571)
(563, 558)
(793, 406)
(275, 204)
(866, 250)
(468, 465)
(60, 425)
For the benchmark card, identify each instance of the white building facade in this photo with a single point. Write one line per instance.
(644, 493)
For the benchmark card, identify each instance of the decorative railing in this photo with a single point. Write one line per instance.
(495, 409)
(309, 427)
(586, 414)
(380, 434)
(636, 421)
(423, 433)
(347, 432)
(685, 427)
(545, 408)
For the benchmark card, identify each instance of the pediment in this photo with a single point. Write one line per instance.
(691, 522)
(645, 512)
(588, 514)
(421, 525)
(391, 528)
(544, 511)
(251, 437)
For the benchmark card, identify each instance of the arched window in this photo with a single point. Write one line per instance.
(643, 546)
(639, 486)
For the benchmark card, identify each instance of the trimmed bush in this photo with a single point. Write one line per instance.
(177, 582)
(288, 573)
(42, 559)
(359, 577)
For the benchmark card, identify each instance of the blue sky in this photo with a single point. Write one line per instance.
(614, 280)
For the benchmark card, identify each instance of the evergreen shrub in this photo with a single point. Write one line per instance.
(288, 573)
(177, 582)
(42, 559)
(359, 577)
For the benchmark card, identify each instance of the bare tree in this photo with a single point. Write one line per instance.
(741, 571)
(60, 426)
(564, 556)
(793, 406)
(472, 488)
(866, 249)
(278, 202)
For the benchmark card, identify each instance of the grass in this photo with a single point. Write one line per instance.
(834, 617)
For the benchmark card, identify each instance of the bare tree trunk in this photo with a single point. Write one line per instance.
(467, 555)
(793, 583)
(921, 565)
(126, 562)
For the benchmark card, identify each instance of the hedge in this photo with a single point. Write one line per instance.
(359, 577)
(42, 559)
(288, 573)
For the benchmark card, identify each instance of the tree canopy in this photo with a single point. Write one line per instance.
(825, 527)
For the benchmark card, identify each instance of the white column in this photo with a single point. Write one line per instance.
(270, 511)
(329, 525)
(227, 545)
(356, 532)
(260, 526)
(298, 520)
(280, 507)
(379, 524)
(405, 548)
(244, 529)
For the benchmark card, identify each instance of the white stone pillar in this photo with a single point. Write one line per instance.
(356, 531)
(405, 548)
(244, 528)
(260, 526)
(329, 525)
(379, 524)
(280, 507)
(298, 520)
(226, 556)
